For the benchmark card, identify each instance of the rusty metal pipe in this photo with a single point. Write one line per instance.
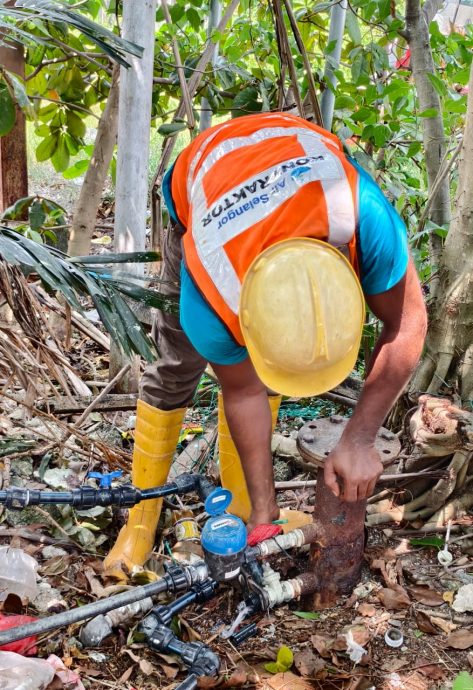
(308, 534)
(337, 562)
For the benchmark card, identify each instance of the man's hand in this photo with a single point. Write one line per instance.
(351, 470)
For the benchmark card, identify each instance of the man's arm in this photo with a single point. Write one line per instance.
(245, 400)
(355, 461)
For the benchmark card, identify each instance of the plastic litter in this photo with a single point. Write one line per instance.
(464, 599)
(27, 646)
(70, 679)
(394, 637)
(444, 556)
(17, 574)
(20, 673)
(354, 650)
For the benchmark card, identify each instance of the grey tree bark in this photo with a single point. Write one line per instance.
(85, 211)
(338, 15)
(134, 123)
(449, 345)
(215, 15)
(422, 65)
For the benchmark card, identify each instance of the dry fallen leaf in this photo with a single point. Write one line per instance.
(426, 596)
(308, 663)
(286, 681)
(322, 644)
(395, 600)
(429, 670)
(367, 610)
(461, 639)
(146, 667)
(424, 623)
(446, 626)
(448, 597)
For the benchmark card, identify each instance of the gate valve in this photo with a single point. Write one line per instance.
(105, 479)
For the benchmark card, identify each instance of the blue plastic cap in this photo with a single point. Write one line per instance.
(218, 501)
(224, 535)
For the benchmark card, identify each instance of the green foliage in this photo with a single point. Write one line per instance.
(43, 215)
(308, 615)
(7, 109)
(464, 681)
(427, 542)
(283, 663)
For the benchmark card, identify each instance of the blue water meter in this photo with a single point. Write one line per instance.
(223, 538)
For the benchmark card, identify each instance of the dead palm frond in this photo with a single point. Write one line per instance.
(92, 277)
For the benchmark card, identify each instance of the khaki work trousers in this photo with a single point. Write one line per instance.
(171, 381)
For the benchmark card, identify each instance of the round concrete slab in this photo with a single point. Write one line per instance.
(318, 438)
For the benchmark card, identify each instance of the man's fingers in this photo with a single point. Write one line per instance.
(331, 478)
(350, 490)
(371, 487)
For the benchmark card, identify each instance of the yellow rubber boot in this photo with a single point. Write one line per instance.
(156, 436)
(233, 478)
(231, 471)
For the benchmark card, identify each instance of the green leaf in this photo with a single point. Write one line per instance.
(246, 101)
(7, 110)
(168, 129)
(36, 215)
(427, 541)
(47, 148)
(75, 125)
(413, 149)
(455, 105)
(20, 93)
(76, 170)
(343, 102)
(194, 18)
(285, 657)
(353, 27)
(273, 667)
(18, 209)
(464, 681)
(308, 615)
(60, 158)
(430, 112)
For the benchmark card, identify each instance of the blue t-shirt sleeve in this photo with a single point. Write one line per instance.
(203, 327)
(166, 190)
(382, 238)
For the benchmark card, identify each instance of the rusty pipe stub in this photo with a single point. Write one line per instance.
(337, 561)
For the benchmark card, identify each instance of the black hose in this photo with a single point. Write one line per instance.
(82, 612)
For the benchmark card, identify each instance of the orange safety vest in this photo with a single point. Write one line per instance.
(243, 185)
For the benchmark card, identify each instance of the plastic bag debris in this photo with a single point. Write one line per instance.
(20, 673)
(354, 650)
(27, 646)
(17, 574)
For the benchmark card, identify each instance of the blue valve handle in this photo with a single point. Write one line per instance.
(105, 479)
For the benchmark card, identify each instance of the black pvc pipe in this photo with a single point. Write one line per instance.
(82, 612)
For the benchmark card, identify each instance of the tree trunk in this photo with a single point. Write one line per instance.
(422, 65)
(134, 123)
(338, 15)
(85, 212)
(215, 14)
(13, 168)
(449, 345)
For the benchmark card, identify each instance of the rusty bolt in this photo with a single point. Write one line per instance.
(337, 419)
(308, 438)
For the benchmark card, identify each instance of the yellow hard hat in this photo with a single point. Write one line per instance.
(301, 314)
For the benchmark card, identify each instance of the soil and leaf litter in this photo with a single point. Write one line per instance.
(403, 587)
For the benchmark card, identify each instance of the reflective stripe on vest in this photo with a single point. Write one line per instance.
(214, 223)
